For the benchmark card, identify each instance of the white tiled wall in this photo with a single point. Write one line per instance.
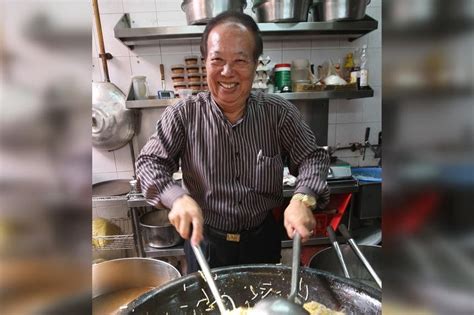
(347, 118)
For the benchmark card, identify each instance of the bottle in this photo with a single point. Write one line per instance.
(363, 67)
(348, 65)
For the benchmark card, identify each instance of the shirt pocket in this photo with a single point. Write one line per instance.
(269, 175)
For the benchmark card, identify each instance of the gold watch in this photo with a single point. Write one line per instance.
(308, 200)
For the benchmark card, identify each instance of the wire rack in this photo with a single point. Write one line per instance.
(114, 242)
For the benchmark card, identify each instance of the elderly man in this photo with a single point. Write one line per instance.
(231, 144)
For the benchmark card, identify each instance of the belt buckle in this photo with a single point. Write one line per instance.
(233, 237)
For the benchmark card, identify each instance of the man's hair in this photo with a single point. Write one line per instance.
(240, 18)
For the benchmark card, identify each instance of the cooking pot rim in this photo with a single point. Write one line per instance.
(150, 214)
(193, 277)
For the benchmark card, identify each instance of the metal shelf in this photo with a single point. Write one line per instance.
(351, 30)
(153, 102)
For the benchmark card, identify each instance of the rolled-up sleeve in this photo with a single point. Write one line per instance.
(308, 162)
(159, 159)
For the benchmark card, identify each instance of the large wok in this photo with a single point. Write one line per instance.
(334, 292)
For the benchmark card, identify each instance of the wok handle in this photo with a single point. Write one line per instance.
(295, 269)
(355, 248)
(335, 245)
(208, 277)
(162, 74)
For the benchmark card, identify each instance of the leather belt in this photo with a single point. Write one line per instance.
(231, 237)
(237, 237)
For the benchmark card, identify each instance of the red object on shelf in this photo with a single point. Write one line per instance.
(332, 215)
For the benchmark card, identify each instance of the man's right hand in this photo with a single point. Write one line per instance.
(186, 211)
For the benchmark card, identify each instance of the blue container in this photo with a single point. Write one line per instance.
(367, 174)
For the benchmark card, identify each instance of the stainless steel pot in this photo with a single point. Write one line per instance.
(327, 260)
(157, 230)
(117, 282)
(201, 11)
(335, 10)
(112, 123)
(281, 10)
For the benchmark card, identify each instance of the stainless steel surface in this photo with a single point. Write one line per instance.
(295, 268)
(351, 30)
(207, 275)
(335, 245)
(153, 101)
(281, 10)
(112, 123)
(360, 255)
(157, 231)
(201, 11)
(326, 260)
(337, 10)
(366, 263)
(111, 277)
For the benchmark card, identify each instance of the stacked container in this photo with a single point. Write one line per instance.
(190, 75)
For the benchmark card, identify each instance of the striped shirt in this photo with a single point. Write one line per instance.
(233, 171)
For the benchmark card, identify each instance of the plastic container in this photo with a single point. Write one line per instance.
(283, 77)
(180, 86)
(195, 77)
(177, 78)
(195, 86)
(192, 69)
(191, 60)
(177, 69)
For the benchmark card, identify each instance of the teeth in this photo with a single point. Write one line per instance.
(228, 85)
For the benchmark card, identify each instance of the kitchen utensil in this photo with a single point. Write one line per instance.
(118, 282)
(334, 292)
(207, 275)
(360, 255)
(201, 11)
(279, 305)
(113, 125)
(281, 10)
(163, 94)
(327, 261)
(157, 231)
(140, 87)
(335, 245)
(335, 10)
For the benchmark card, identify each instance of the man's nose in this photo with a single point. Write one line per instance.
(227, 70)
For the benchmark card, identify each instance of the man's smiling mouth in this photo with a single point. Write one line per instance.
(228, 85)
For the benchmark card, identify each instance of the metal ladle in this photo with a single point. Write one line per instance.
(278, 305)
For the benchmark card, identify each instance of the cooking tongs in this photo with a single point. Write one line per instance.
(345, 233)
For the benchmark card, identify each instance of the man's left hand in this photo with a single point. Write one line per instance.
(299, 217)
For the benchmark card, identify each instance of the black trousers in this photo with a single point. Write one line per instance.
(257, 246)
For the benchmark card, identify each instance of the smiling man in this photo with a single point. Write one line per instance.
(232, 143)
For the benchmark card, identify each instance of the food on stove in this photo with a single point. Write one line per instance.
(314, 308)
(100, 228)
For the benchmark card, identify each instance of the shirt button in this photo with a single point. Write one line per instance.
(240, 202)
(237, 177)
(237, 154)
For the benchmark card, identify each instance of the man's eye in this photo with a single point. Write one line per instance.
(241, 61)
(217, 61)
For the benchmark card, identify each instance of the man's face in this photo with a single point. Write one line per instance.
(230, 65)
